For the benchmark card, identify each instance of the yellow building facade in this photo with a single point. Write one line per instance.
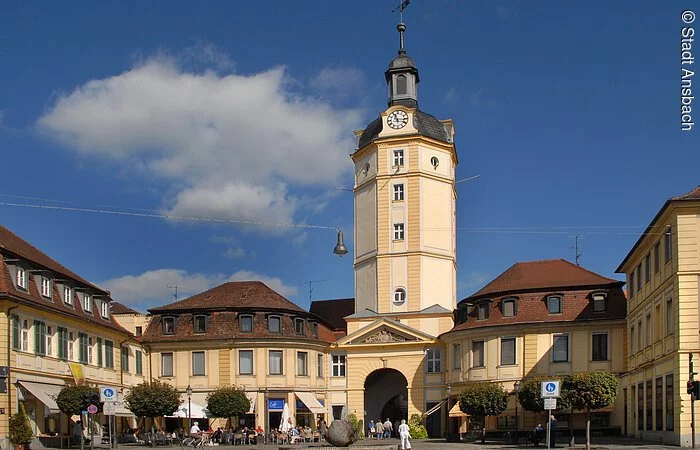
(663, 273)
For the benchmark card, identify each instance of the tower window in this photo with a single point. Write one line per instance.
(398, 232)
(398, 192)
(398, 158)
(401, 85)
(399, 296)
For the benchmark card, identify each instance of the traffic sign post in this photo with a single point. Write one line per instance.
(550, 394)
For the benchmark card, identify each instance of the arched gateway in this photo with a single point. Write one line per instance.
(386, 395)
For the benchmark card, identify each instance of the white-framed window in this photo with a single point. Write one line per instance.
(599, 346)
(71, 345)
(200, 324)
(21, 277)
(276, 362)
(456, 356)
(24, 341)
(198, 363)
(49, 340)
(245, 323)
(398, 158)
(670, 317)
(398, 232)
(245, 362)
(299, 326)
(554, 304)
(45, 287)
(560, 348)
(599, 302)
(166, 364)
(302, 364)
(399, 296)
(90, 344)
(433, 360)
(104, 310)
(319, 366)
(507, 351)
(68, 295)
(508, 307)
(274, 324)
(338, 365)
(398, 192)
(168, 325)
(477, 353)
(87, 303)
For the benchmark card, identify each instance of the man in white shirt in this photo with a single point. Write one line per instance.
(404, 434)
(194, 430)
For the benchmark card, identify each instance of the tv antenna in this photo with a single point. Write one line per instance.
(311, 285)
(175, 287)
(577, 249)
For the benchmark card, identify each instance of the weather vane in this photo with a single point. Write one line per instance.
(400, 8)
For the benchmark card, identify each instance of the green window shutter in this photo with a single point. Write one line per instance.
(15, 332)
(82, 347)
(62, 343)
(37, 338)
(99, 352)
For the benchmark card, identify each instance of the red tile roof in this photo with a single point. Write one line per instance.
(234, 294)
(334, 311)
(545, 274)
(693, 195)
(119, 308)
(13, 247)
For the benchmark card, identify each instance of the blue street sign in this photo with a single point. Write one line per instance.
(551, 387)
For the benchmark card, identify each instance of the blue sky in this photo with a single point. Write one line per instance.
(570, 114)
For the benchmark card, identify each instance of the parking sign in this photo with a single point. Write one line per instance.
(550, 389)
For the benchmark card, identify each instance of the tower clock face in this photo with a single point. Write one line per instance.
(397, 119)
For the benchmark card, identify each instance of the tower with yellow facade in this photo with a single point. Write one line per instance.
(405, 258)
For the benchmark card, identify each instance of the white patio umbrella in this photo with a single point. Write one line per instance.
(285, 426)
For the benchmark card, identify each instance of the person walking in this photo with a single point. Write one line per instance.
(388, 428)
(405, 435)
(553, 432)
(379, 427)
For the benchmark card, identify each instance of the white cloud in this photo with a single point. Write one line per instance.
(151, 287)
(339, 82)
(231, 145)
(473, 281)
(451, 96)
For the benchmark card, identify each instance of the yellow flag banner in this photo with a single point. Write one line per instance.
(77, 371)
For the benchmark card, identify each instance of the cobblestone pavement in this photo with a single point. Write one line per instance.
(610, 443)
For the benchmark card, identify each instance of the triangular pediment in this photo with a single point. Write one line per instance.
(385, 331)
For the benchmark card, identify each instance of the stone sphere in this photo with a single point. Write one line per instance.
(341, 433)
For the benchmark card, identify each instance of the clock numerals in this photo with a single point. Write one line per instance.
(397, 119)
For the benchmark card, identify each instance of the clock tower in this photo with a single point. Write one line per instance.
(404, 192)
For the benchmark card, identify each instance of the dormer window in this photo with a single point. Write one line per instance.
(508, 307)
(314, 328)
(104, 309)
(484, 310)
(274, 324)
(45, 287)
(21, 277)
(68, 295)
(245, 323)
(200, 324)
(299, 326)
(168, 325)
(554, 304)
(599, 300)
(87, 303)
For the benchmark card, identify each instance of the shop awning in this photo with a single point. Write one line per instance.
(252, 396)
(434, 408)
(45, 393)
(310, 401)
(456, 412)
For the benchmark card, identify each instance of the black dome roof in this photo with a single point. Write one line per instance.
(426, 124)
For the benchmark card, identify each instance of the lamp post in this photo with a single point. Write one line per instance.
(516, 385)
(448, 436)
(189, 404)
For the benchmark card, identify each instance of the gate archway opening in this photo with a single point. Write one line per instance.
(386, 396)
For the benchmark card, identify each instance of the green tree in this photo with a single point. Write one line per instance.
(227, 402)
(416, 427)
(70, 398)
(588, 391)
(152, 400)
(483, 399)
(530, 395)
(20, 430)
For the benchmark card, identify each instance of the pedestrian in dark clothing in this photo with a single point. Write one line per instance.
(553, 432)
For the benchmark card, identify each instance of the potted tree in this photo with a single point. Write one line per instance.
(20, 431)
